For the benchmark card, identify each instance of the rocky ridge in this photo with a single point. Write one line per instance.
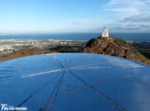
(115, 47)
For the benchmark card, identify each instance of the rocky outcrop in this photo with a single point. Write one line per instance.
(115, 47)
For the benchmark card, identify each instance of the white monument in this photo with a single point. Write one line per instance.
(105, 32)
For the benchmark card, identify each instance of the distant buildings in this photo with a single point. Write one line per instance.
(105, 32)
(5, 47)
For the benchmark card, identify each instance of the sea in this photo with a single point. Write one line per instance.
(78, 36)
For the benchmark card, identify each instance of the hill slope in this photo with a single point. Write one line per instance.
(24, 52)
(115, 47)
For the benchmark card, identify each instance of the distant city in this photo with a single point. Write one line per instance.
(10, 45)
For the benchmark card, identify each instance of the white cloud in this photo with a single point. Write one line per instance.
(128, 7)
(127, 12)
(79, 21)
(124, 15)
(88, 25)
(139, 18)
(123, 12)
(135, 3)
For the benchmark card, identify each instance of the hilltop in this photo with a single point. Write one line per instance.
(115, 47)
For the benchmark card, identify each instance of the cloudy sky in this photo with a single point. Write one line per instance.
(67, 16)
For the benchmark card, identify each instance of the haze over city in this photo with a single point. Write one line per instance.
(73, 16)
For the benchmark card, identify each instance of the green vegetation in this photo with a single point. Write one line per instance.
(146, 53)
(23, 47)
(67, 48)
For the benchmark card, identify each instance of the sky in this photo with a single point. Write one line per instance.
(74, 16)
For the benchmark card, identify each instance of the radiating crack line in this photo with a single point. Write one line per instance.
(89, 60)
(37, 91)
(49, 98)
(29, 75)
(41, 73)
(53, 60)
(70, 59)
(52, 103)
(101, 61)
(111, 102)
(58, 60)
(65, 60)
(45, 61)
(85, 65)
(79, 61)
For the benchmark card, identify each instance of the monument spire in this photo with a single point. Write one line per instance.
(105, 32)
